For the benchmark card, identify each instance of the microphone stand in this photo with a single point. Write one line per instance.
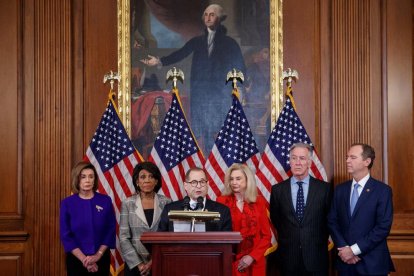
(193, 220)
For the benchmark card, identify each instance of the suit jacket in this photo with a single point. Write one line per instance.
(369, 225)
(133, 223)
(308, 238)
(224, 224)
(209, 93)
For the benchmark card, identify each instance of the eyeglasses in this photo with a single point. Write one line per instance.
(195, 183)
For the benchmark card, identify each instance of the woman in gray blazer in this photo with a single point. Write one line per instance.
(140, 213)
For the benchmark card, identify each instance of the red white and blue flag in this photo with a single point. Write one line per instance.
(175, 150)
(234, 144)
(274, 165)
(114, 157)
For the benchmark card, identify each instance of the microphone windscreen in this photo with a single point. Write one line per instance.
(200, 203)
(186, 203)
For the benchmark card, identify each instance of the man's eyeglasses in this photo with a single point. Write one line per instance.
(195, 183)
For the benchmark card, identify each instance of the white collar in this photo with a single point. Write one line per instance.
(361, 182)
(193, 202)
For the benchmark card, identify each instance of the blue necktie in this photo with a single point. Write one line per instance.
(354, 197)
(300, 202)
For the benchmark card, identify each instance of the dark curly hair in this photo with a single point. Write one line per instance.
(151, 168)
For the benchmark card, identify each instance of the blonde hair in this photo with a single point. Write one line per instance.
(250, 194)
(76, 172)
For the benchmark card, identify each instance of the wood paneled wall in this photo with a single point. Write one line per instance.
(399, 122)
(355, 60)
(54, 55)
(14, 246)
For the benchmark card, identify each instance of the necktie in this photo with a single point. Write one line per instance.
(300, 202)
(354, 197)
(210, 42)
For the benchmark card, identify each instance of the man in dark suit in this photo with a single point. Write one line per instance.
(298, 210)
(196, 185)
(361, 217)
(214, 54)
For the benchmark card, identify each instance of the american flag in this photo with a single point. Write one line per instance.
(175, 150)
(274, 165)
(114, 157)
(234, 144)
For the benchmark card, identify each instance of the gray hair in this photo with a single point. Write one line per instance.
(218, 10)
(302, 145)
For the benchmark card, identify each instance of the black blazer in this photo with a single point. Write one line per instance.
(223, 225)
(309, 238)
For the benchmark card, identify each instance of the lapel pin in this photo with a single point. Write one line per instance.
(99, 208)
(368, 190)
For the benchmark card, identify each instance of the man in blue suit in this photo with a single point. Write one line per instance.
(360, 218)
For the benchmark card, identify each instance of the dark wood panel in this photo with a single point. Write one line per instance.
(100, 56)
(400, 117)
(12, 248)
(10, 67)
(53, 124)
(404, 265)
(357, 108)
(10, 265)
(301, 44)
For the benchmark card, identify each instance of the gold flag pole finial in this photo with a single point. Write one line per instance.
(235, 76)
(289, 75)
(111, 77)
(175, 75)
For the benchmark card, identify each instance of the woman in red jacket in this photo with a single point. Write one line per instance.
(249, 217)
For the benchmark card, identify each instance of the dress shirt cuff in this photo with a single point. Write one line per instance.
(355, 249)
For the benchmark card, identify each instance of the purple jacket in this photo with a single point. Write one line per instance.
(87, 223)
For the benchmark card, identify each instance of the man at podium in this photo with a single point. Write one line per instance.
(196, 185)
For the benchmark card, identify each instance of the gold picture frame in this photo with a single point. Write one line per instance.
(124, 60)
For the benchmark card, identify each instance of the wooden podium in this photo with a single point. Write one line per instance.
(191, 253)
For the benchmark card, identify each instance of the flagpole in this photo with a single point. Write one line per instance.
(290, 75)
(112, 77)
(234, 76)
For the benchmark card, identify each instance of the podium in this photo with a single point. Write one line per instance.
(191, 253)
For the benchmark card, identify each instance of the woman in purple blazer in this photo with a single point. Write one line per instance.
(87, 224)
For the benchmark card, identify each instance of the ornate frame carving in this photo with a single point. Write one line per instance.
(124, 60)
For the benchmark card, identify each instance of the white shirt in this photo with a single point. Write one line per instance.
(193, 204)
(210, 40)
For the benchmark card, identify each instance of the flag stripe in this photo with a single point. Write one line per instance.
(114, 157)
(274, 165)
(175, 150)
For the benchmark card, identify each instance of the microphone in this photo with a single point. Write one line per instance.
(186, 203)
(200, 203)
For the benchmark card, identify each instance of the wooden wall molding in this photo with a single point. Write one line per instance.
(356, 108)
(53, 115)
